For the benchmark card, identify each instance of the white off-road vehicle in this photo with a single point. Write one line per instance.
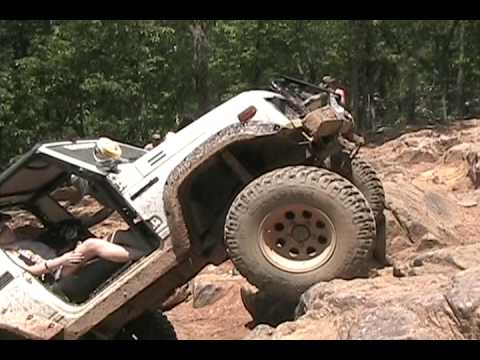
(267, 179)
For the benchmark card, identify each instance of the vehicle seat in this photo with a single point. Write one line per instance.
(78, 287)
(94, 276)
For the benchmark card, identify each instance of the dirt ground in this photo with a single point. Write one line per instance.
(226, 319)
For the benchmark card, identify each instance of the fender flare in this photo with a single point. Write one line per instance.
(232, 134)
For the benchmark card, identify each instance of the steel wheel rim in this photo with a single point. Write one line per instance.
(297, 238)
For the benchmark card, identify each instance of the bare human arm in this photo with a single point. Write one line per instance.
(47, 266)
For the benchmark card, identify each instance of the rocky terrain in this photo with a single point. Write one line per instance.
(431, 292)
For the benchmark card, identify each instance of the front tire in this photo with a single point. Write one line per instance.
(297, 226)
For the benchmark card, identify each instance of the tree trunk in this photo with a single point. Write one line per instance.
(201, 49)
(411, 101)
(257, 69)
(355, 68)
(461, 75)
(445, 93)
(81, 118)
(367, 78)
(446, 40)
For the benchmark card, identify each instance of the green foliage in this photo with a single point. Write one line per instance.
(126, 79)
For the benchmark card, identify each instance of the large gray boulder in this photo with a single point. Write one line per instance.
(432, 305)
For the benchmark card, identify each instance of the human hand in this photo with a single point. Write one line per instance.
(72, 258)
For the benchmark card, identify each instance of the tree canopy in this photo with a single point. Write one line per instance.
(71, 79)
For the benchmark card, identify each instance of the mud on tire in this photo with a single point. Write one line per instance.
(329, 200)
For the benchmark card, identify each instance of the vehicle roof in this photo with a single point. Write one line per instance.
(45, 164)
(35, 170)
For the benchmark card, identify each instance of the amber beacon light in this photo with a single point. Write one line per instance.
(246, 115)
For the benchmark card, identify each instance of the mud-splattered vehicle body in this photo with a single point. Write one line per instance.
(215, 190)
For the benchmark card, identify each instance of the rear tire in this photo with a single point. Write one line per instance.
(362, 174)
(152, 325)
(365, 178)
(329, 235)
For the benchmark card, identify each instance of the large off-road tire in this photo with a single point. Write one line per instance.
(380, 252)
(365, 178)
(152, 325)
(296, 226)
(362, 174)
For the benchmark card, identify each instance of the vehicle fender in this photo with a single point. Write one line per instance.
(215, 144)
